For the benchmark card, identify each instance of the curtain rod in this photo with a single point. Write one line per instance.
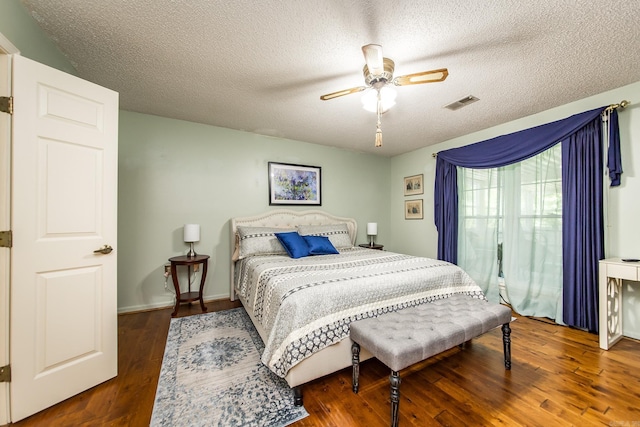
(622, 104)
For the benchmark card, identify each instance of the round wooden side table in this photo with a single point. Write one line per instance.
(188, 296)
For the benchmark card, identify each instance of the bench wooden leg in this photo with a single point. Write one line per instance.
(394, 380)
(297, 395)
(506, 340)
(355, 361)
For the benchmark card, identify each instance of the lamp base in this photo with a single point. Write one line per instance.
(191, 253)
(371, 243)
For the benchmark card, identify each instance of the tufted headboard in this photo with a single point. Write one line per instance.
(286, 218)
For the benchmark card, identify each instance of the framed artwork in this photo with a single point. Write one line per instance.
(294, 184)
(413, 209)
(413, 185)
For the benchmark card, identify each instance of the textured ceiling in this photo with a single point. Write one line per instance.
(261, 66)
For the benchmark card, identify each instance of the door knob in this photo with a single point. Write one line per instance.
(106, 249)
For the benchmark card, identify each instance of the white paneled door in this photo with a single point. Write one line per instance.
(64, 195)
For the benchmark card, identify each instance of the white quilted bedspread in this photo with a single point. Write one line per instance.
(307, 304)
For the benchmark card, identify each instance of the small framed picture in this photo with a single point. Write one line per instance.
(413, 209)
(294, 184)
(413, 185)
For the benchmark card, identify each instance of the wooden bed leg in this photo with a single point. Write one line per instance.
(506, 340)
(297, 395)
(355, 361)
(394, 380)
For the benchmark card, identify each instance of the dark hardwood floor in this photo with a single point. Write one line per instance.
(559, 377)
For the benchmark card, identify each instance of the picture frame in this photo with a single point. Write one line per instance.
(291, 184)
(413, 185)
(413, 209)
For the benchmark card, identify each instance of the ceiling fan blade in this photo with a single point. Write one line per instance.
(432, 76)
(342, 93)
(373, 58)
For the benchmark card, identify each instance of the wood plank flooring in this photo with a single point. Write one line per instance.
(559, 377)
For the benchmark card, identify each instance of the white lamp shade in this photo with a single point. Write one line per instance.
(192, 232)
(372, 228)
(370, 99)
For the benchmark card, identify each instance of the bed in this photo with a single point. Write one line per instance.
(302, 307)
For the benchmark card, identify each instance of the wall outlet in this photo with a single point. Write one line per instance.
(167, 270)
(196, 267)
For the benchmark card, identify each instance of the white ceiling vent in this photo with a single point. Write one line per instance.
(461, 103)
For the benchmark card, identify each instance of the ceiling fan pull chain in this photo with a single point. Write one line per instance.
(378, 130)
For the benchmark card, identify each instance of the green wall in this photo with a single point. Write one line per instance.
(173, 172)
(24, 33)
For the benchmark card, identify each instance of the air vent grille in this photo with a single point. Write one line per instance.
(456, 105)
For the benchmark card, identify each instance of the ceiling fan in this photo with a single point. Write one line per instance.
(378, 73)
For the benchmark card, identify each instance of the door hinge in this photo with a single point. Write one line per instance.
(6, 104)
(6, 239)
(5, 374)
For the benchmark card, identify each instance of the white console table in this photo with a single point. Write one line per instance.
(612, 272)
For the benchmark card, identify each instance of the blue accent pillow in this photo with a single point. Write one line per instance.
(294, 244)
(320, 245)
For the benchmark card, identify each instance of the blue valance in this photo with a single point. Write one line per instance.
(518, 146)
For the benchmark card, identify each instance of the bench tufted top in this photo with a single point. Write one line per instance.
(408, 336)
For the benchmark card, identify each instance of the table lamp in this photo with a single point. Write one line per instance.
(372, 230)
(191, 235)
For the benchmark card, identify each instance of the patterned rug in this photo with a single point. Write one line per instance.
(212, 376)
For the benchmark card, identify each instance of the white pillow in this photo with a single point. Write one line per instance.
(338, 234)
(259, 241)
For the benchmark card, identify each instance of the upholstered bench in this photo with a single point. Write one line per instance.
(402, 338)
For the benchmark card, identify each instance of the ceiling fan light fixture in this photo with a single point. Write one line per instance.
(387, 98)
(379, 76)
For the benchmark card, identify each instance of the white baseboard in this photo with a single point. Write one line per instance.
(164, 304)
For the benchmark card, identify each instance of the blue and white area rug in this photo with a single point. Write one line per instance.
(212, 376)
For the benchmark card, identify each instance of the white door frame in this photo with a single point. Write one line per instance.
(7, 49)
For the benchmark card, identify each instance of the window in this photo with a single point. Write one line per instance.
(510, 232)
